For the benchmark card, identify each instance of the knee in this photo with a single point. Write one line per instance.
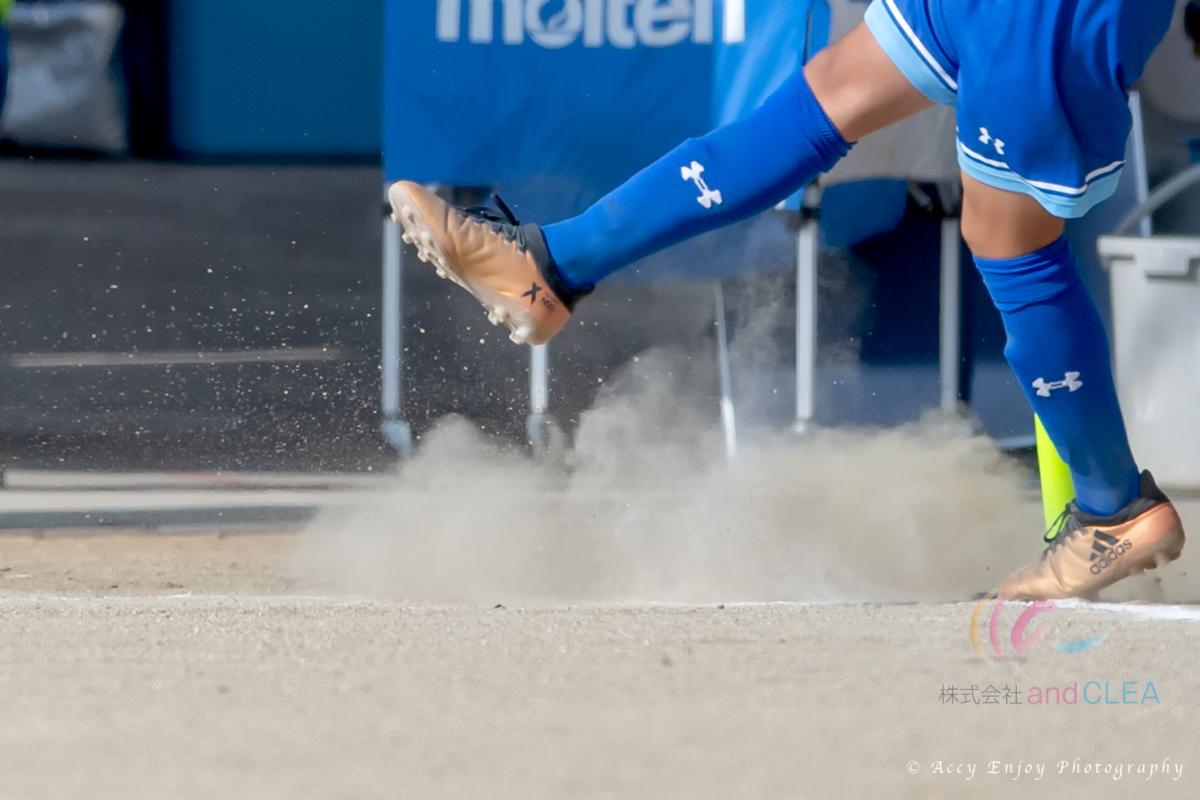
(978, 237)
(997, 224)
(998, 233)
(997, 236)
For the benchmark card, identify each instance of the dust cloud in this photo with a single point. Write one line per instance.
(642, 506)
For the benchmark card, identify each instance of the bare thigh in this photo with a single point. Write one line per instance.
(1001, 224)
(862, 91)
(859, 87)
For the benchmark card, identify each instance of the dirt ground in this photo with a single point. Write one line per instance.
(195, 666)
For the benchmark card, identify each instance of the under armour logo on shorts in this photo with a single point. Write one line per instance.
(987, 138)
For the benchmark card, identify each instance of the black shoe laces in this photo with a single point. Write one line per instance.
(503, 221)
(1064, 526)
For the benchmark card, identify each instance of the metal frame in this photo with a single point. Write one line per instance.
(725, 373)
(950, 304)
(951, 373)
(396, 430)
(539, 424)
(808, 253)
(950, 330)
(1141, 171)
(540, 427)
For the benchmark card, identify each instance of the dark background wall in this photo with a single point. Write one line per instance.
(115, 275)
(212, 300)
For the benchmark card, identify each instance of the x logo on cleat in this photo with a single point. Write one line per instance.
(532, 293)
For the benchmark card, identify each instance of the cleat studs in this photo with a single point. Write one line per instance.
(441, 273)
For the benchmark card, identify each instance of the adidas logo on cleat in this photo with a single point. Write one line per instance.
(1106, 550)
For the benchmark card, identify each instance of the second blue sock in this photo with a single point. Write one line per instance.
(1058, 348)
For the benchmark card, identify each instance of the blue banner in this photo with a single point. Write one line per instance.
(554, 102)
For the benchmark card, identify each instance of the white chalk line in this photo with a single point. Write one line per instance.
(1140, 611)
(208, 600)
(191, 600)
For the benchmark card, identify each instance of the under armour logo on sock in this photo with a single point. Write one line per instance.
(694, 172)
(1070, 382)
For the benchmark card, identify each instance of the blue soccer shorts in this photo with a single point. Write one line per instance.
(1040, 86)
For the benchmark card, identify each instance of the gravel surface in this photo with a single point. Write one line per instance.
(195, 666)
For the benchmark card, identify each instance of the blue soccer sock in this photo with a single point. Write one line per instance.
(1058, 348)
(727, 175)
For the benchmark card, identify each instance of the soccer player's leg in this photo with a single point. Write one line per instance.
(1042, 136)
(530, 277)
(1120, 523)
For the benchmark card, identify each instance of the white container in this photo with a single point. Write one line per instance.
(1156, 350)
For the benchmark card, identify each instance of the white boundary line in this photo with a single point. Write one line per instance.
(1140, 611)
(196, 600)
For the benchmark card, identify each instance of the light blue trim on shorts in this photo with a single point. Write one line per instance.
(1061, 201)
(910, 55)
